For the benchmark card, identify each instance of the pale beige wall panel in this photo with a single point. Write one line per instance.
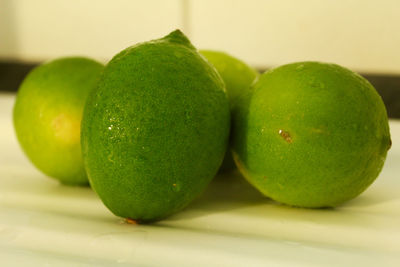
(360, 34)
(41, 29)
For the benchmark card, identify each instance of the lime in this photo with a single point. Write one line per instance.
(311, 134)
(155, 131)
(237, 76)
(47, 116)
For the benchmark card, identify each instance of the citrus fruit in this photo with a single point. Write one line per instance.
(237, 76)
(155, 130)
(47, 116)
(311, 134)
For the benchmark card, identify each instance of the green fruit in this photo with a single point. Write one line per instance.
(237, 76)
(47, 116)
(311, 134)
(155, 131)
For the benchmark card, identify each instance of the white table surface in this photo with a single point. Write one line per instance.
(43, 223)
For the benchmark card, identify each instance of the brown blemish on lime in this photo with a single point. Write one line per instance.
(285, 135)
(131, 221)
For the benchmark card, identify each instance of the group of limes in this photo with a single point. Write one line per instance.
(151, 128)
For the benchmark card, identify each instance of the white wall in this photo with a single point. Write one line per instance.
(361, 34)
(44, 29)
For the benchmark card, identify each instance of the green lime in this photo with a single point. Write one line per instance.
(311, 134)
(155, 131)
(47, 116)
(237, 76)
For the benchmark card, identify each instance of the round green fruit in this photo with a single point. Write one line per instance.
(237, 76)
(311, 134)
(155, 131)
(47, 116)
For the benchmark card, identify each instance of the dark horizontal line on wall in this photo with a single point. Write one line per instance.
(388, 86)
(12, 74)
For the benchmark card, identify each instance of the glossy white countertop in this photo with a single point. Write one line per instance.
(43, 223)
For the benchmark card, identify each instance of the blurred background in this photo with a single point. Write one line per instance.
(363, 35)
